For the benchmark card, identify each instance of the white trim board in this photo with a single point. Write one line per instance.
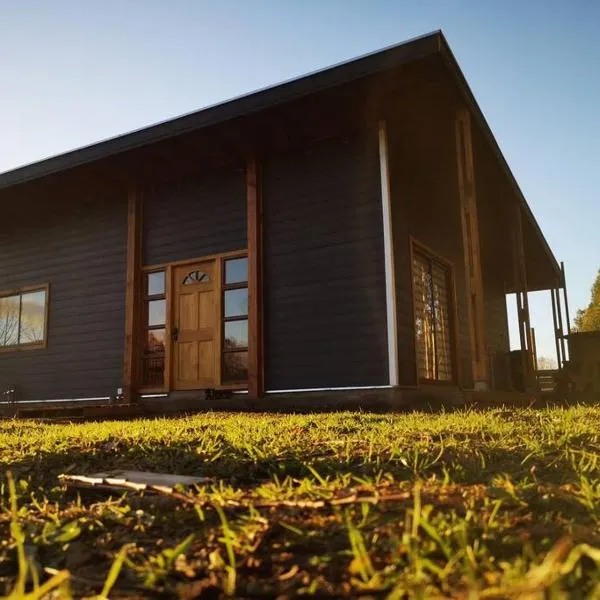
(388, 250)
(330, 389)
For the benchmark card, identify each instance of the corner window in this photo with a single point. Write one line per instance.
(23, 315)
(153, 358)
(235, 321)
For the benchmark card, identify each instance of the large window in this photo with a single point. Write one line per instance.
(431, 285)
(23, 316)
(235, 321)
(153, 359)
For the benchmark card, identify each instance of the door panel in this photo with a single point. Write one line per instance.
(195, 322)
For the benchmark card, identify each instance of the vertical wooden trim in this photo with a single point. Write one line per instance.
(566, 299)
(170, 308)
(555, 324)
(388, 250)
(255, 280)
(471, 245)
(561, 329)
(220, 325)
(520, 276)
(133, 293)
(534, 349)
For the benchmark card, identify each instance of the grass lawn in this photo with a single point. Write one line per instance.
(496, 504)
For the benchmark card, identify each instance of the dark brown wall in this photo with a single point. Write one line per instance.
(325, 319)
(425, 205)
(195, 217)
(79, 247)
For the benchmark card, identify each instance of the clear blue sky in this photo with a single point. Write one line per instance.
(76, 72)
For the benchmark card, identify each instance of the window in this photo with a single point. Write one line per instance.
(431, 282)
(23, 315)
(196, 277)
(235, 321)
(153, 357)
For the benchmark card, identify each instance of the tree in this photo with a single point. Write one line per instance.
(588, 319)
(545, 363)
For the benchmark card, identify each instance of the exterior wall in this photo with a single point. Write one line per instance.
(496, 328)
(79, 248)
(325, 311)
(425, 206)
(195, 217)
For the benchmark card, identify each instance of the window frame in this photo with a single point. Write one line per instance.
(420, 249)
(44, 287)
(225, 287)
(146, 328)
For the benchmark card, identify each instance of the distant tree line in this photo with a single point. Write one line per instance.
(588, 319)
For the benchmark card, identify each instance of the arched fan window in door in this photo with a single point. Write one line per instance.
(196, 277)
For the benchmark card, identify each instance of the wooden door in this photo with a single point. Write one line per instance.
(194, 332)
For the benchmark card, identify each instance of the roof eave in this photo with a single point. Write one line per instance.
(244, 105)
(461, 81)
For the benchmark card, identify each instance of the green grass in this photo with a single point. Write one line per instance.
(492, 504)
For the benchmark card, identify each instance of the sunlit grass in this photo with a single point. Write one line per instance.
(503, 503)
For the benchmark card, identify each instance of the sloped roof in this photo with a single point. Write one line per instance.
(369, 64)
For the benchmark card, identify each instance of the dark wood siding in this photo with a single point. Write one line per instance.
(425, 205)
(403, 277)
(195, 217)
(325, 320)
(80, 249)
(496, 328)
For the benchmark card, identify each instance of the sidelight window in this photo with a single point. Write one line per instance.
(235, 321)
(153, 357)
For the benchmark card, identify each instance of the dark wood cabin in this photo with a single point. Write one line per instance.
(355, 229)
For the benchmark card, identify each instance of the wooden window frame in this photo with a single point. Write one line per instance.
(44, 287)
(168, 268)
(417, 247)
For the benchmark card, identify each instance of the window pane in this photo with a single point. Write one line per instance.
(156, 312)
(153, 371)
(156, 283)
(236, 270)
(236, 302)
(236, 335)
(155, 341)
(9, 320)
(33, 317)
(235, 367)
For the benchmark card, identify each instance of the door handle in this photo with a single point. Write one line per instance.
(174, 334)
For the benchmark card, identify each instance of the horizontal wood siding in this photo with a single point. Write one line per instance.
(79, 249)
(195, 217)
(496, 328)
(325, 312)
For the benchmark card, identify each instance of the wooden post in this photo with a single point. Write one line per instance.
(561, 330)
(255, 281)
(471, 245)
(133, 294)
(534, 349)
(520, 276)
(564, 287)
(556, 330)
